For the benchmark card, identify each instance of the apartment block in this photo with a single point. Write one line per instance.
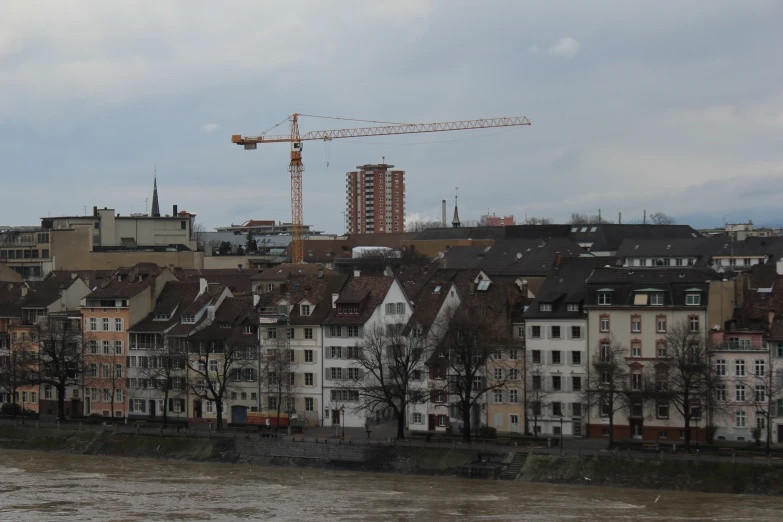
(375, 199)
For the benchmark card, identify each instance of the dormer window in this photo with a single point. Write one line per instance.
(224, 324)
(545, 307)
(483, 286)
(348, 309)
(161, 317)
(692, 299)
(188, 319)
(572, 307)
(656, 299)
(305, 310)
(249, 329)
(604, 298)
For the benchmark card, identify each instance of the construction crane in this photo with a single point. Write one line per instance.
(296, 167)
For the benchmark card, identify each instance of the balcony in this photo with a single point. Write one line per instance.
(746, 346)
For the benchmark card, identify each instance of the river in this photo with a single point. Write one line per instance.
(46, 486)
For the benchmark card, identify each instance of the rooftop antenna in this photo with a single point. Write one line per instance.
(85, 209)
(383, 160)
(146, 200)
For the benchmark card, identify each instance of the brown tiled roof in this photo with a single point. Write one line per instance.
(342, 248)
(298, 288)
(48, 291)
(237, 311)
(129, 285)
(374, 288)
(173, 300)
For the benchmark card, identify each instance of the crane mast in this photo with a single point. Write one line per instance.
(296, 167)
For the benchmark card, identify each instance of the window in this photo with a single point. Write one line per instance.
(656, 299)
(513, 354)
(636, 348)
(513, 396)
(513, 374)
(354, 374)
(188, 319)
(606, 378)
(118, 326)
(660, 323)
(498, 373)
(92, 370)
(118, 371)
(557, 410)
(418, 418)
(354, 352)
(759, 367)
(213, 365)
(47, 392)
(576, 383)
(556, 383)
(290, 333)
(93, 324)
(335, 352)
(498, 397)
(536, 356)
(442, 421)
(308, 379)
(739, 368)
(662, 410)
(693, 323)
(720, 367)
(636, 324)
(604, 323)
(305, 310)
(556, 359)
(107, 347)
(535, 332)
(636, 381)
(536, 382)
(661, 348)
(309, 404)
(335, 374)
(576, 332)
(105, 324)
(118, 348)
(545, 307)
(572, 307)
(606, 351)
(248, 329)
(721, 392)
(555, 332)
(400, 308)
(760, 393)
(308, 356)
(605, 411)
(740, 419)
(271, 333)
(353, 331)
(604, 298)
(739, 393)
(692, 299)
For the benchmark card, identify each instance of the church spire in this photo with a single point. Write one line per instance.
(455, 222)
(155, 207)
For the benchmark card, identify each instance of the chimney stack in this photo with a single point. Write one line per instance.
(444, 213)
(95, 211)
(174, 211)
(557, 258)
(619, 218)
(645, 217)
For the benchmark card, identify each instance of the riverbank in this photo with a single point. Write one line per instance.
(610, 471)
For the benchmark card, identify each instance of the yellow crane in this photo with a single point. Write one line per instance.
(296, 167)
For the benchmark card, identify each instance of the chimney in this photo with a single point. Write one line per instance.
(619, 218)
(357, 272)
(174, 211)
(387, 271)
(644, 221)
(95, 211)
(202, 285)
(239, 267)
(334, 300)
(557, 258)
(444, 213)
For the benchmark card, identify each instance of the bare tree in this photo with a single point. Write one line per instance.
(14, 373)
(385, 367)
(278, 371)
(536, 392)
(197, 234)
(217, 364)
(608, 382)
(470, 343)
(163, 369)
(532, 220)
(586, 219)
(764, 385)
(684, 381)
(57, 361)
(659, 218)
(421, 225)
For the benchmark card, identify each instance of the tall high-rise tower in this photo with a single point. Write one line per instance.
(375, 199)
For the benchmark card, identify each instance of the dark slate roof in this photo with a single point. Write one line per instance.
(518, 257)
(10, 295)
(173, 300)
(536, 231)
(236, 311)
(284, 271)
(607, 238)
(48, 291)
(372, 288)
(566, 284)
(435, 234)
(238, 281)
(624, 283)
(703, 247)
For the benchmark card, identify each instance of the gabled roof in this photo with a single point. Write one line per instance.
(175, 297)
(284, 271)
(373, 290)
(48, 291)
(10, 296)
(304, 287)
(625, 283)
(238, 281)
(705, 248)
(236, 311)
(125, 282)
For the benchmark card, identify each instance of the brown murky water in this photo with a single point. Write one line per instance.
(44, 487)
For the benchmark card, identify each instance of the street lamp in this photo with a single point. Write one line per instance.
(342, 410)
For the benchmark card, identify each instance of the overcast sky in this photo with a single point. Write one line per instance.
(665, 106)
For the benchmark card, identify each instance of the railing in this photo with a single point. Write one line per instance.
(729, 346)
